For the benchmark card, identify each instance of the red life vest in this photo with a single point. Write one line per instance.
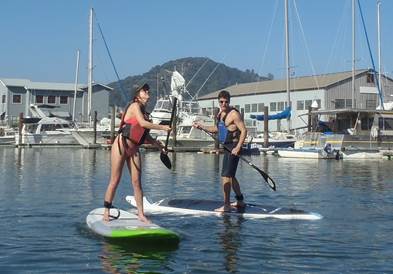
(132, 130)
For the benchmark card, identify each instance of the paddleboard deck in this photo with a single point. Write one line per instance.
(127, 226)
(207, 207)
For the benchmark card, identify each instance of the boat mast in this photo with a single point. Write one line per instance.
(76, 84)
(90, 68)
(379, 47)
(287, 62)
(353, 55)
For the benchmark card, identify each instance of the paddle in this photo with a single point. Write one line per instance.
(164, 155)
(265, 176)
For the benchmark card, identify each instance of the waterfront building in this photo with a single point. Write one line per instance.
(17, 95)
(325, 92)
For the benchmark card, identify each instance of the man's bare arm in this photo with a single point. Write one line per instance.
(212, 129)
(238, 121)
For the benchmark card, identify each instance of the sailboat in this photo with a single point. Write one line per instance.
(84, 133)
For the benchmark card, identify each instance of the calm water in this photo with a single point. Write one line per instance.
(45, 195)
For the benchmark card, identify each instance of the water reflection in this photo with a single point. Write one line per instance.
(173, 160)
(231, 241)
(133, 257)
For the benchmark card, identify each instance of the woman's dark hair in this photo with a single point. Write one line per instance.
(224, 94)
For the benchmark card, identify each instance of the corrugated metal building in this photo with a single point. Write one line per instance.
(330, 91)
(17, 95)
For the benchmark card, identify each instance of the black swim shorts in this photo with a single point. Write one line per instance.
(229, 163)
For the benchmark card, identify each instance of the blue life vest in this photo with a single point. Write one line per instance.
(224, 135)
(222, 132)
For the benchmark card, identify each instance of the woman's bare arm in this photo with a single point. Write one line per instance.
(135, 110)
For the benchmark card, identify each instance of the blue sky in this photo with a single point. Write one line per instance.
(40, 37)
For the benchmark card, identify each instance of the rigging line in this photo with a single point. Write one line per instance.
(269, 36)
(195, 74)
(371, 56)
(341, 31)
(111, 59)
(215, 68)
(306, 45)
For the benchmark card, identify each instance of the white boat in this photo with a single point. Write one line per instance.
(187, 135)
(7, 135)
(356, 154)
(275, 140)
(161, 113)
(47, 130)
(356, 133)
(187, 113)
(309, 153)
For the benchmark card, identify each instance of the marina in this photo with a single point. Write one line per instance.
(46, 194)
(187, 142)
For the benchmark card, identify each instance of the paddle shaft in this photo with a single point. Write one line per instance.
(267, 178)
(171, 121)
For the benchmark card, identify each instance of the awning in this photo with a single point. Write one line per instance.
(282, 115)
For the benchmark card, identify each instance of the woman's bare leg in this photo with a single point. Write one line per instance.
(136, 174)
(117, 162)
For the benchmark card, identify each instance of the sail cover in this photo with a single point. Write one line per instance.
(286, 113)
(177, 83)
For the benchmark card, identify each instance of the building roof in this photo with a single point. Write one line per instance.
(26, 83)
(298, 83)
(14, 82)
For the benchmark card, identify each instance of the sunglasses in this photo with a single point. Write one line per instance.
(223, 102)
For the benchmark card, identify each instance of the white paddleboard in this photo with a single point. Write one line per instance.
(207, 207)
(127, 226)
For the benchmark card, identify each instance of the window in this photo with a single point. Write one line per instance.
(3, 99)
(319, 103)
(371, 103)
(339, 103)
(307, 103)
(64, 100)
(300, 105)
(348, 103)
(370, 78)
(237, 107)
(386, 123)
(39, 99)
(280, 106)
(248, 122)
(273, 106)
(366, 123)
(51, 99)
(247, 108)
(254, 107)
(17, 99)
(261, 107)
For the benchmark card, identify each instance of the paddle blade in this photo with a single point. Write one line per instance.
(165, 160)
(270, 182)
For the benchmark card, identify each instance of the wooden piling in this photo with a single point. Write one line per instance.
(309, 121)
(20, 126)
(95, 128)
(266, 126)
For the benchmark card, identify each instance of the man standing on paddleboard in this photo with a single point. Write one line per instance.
(231, 133)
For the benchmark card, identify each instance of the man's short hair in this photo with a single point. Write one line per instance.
(224, 94)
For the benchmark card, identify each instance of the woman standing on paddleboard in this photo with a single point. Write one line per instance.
(134, 131)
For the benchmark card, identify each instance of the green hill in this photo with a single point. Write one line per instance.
(202, 76)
